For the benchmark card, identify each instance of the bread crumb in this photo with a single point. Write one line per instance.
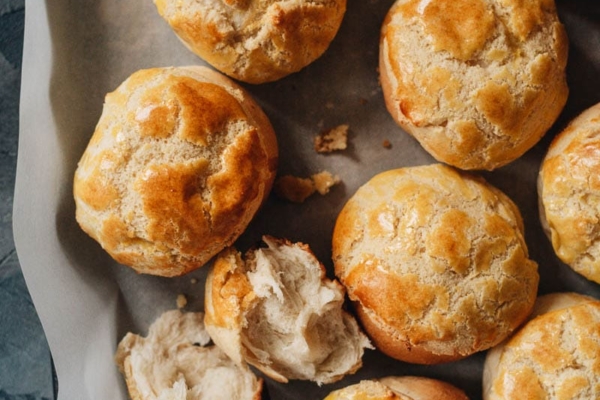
(323, 181)
(387, 144)
(363, 101)
(181, 301)
(296, 190)
(332, 139)
(193, 281)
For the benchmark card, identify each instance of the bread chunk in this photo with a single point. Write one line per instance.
(174, 363)
(277, 311)
(296, 189)
(332, 139)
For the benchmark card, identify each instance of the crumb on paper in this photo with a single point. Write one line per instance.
(387, 144)
(296, 189)
(193, 281)
(332, 139)
(181, 301)
(323, 181)
(293, 188)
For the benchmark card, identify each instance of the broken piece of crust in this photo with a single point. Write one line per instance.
(332, 139)
(279, 312)
(174, 363)
(296, 189)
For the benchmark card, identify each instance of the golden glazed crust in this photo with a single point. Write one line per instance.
(255, 41)
(179, 163)
(476, 82)
(436, 262)
(555, 355)
(569, 193)
(399, 388)
(364, 390)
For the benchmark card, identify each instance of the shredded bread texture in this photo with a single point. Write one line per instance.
(174, 363)
(277, 311)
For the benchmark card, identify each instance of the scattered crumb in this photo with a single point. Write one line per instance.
(181, 301)
(324, 181)
(332, 139)
(193, 281)
(363, 101)
(387, 144)
(329, 105)
(296, 190)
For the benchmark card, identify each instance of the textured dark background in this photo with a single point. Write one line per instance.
(25, 362)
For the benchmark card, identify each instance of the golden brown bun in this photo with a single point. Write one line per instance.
(476, 82)
(436, 263)
(399, 388)
(255, 41)
(178, 165)
(553, 356)
(569, 194)
(279, 312)
(174, 363)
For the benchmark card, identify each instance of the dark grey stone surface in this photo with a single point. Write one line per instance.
(25, 361)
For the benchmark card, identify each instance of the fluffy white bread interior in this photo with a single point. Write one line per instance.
(174, 363)
(277, 311)
(553, 356)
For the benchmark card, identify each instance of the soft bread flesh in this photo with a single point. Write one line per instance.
(288, 320)
(174, 363)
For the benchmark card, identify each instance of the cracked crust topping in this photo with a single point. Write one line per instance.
(399, 388)
(569, 194)
(555, 355)
(436, 262)
(180, 161)
(255, 41)
(476, 82)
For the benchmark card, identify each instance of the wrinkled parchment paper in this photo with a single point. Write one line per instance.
(77, 51)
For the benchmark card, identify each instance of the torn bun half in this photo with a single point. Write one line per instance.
(174, 363)
(276, 310)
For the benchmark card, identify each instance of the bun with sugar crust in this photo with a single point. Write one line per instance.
(554, 355)
(476, 82)
(436, 263)
(569, 194)
(399, 388)
(255, 41)
(180, 161)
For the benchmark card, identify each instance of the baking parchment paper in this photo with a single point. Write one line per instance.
(77, 51)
